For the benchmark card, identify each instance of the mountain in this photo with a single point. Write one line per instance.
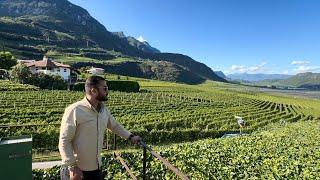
(220, 74)
(161, 70)
(306, 80)
(143, 46)
(257, 77)
(31, 28)
(190, 64)
(56, 22)
(303, 79)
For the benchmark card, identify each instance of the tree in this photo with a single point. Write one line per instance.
(7, 60)
(21, 73)
(59, 83)
(45, 81)
(4, 74)
(84, 69)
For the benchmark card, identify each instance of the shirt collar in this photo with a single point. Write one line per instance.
(87, 103)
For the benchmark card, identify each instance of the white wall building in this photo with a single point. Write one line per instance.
(94, 70)
(49, 67)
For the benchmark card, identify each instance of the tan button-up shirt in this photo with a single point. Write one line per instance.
(82, 132)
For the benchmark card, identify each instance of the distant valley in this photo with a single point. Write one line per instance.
(308, 80)
(257, 77)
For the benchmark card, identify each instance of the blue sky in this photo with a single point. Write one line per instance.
(235, 36)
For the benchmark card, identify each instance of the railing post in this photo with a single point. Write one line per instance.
(115, 142)
(144, 163)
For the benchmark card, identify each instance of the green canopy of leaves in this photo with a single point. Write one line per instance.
(7, 60)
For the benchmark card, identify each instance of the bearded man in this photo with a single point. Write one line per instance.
(82, 131)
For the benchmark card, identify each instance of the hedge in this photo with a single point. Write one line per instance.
(124, 86)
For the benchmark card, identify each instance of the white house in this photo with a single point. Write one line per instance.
(49, 67)
(95, 70)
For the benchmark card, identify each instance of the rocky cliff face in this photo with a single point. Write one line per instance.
(64, 17)
(61, 9)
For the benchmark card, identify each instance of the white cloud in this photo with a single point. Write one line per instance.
(303, 68)
(299, 67)
(141, 39)
(285, 72)
(257, 68)
(300, 62)
(248, 69)
(238, 68)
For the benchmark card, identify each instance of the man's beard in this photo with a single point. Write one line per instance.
(102, 98)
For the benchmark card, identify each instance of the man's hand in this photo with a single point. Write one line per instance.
(136, 139)
(75, 173)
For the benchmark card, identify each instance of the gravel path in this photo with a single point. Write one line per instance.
(44, 165)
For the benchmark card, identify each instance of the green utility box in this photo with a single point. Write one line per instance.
(16, 158)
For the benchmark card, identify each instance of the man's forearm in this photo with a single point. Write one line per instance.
(66, 152)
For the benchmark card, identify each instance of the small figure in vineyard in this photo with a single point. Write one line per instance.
(82, 131)
(241, 123)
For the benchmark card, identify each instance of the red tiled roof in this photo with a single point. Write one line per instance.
(46, 63)
(61, 65)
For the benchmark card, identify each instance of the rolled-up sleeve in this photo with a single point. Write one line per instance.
(116, 127)
(67, 132)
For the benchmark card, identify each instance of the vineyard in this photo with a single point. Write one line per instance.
(165, 113)
(10, 86)
(281, 152)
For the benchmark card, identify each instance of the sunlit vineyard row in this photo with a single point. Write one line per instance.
(6, 85)
(284, 151)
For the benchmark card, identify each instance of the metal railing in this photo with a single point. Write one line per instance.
(145, 147)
